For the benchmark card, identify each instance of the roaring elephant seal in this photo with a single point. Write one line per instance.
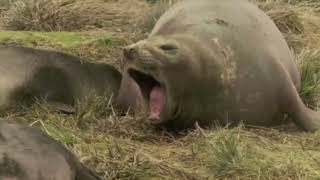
(59, 78)
(26, 153)
(217, 62)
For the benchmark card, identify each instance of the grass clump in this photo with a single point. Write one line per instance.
(42, 15)
(125, 162)
(158, 8)
(72, 15)
(226, 156)
(259, 154)
(93, 108)
(286, 17)
(5, 5)
(299, 21)
(309, 66)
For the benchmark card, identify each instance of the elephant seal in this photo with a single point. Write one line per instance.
(129, 95)
(26, 153)
(59, 78)
(217, 62)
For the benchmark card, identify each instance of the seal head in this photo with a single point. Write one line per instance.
(167, 69)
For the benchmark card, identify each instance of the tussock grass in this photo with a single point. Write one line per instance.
(159, 7)
(226, 157)
(5, 5)
(309, 65)
(285, 16)
(44, 15)
(72, 15)
(297, 20)
(128, 147)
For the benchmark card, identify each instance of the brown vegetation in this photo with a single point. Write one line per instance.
(128, 147)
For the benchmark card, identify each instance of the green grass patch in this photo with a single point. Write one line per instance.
(99, 46)
(309, 66)
(64, 39)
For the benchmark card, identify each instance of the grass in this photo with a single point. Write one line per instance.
(251, 155)
(309, 62)
(48, 15)
(91, 45)
(128, 147)
(74, 15)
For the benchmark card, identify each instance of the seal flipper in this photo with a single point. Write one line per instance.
(83, 173)
(302, 116)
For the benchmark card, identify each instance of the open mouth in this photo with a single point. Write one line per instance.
(153, 92)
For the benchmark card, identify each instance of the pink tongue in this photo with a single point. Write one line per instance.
(156, 102)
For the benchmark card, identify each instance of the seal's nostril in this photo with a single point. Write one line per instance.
(129, 52)
(132, 51)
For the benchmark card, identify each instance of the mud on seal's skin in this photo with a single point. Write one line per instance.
(236, 67)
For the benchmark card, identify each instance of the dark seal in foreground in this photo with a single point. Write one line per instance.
(26, 153)
(217, 62)
(59, 78)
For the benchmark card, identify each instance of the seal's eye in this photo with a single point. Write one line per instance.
(168, 47)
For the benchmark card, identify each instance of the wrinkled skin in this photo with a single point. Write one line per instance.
(217, 62)
(26, 153)
(59, 78)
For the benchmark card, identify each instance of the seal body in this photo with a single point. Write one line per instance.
(26, 153)
(129, 97)
(59, 78)
(217, 62)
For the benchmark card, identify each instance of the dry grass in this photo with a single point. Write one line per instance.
(128, 147)
(298, 20)
(159, 7)
(73, 15)
(285, 16)
(43, 15)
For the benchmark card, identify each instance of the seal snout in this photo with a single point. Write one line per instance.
(129, 52)
(132, 51)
